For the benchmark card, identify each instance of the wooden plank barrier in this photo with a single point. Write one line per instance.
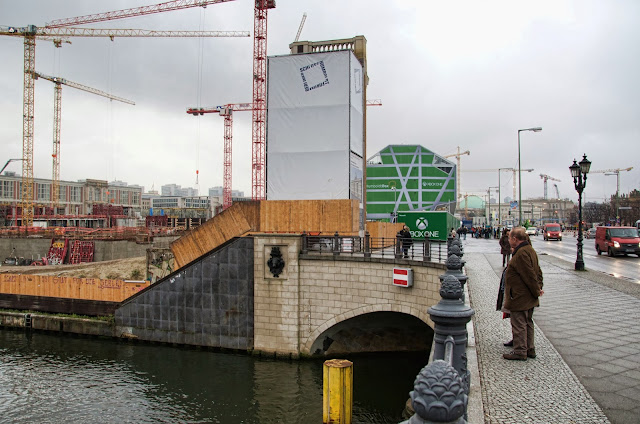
(266, 216)
(379, 229)
(70, 287)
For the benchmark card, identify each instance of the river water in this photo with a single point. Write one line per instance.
(51, 378)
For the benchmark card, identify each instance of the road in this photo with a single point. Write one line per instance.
(624, 267)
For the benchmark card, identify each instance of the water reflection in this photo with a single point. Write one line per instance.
(51, 378)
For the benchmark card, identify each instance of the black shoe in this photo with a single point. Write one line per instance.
(531, 353)
(509, 343)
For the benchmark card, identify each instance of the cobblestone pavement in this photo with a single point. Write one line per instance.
(540, 390)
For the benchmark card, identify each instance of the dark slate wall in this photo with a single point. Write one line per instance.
(207, 303)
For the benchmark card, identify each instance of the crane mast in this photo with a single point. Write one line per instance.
(259, 117)
(545, 178)
(457, 156)
(57, 112)
(225, 111)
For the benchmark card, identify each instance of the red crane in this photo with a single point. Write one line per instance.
(227, 112)
(259, 117)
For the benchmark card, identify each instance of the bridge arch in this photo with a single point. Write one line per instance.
(372, 328)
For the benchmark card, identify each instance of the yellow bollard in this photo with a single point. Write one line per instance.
(337, 391)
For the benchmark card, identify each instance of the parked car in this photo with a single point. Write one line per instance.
(590, 233)
(532, 231)
(552, 231)
(617, 240)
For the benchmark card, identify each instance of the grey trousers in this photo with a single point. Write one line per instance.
(522, 330)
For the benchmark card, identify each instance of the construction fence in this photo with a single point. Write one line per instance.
(70, 287)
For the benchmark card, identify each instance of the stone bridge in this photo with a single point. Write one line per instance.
(318, 304)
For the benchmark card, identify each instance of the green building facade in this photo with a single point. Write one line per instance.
(409, 178)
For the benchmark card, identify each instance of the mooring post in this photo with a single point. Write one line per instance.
(337, 391)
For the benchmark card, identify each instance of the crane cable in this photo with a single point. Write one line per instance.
(199, 91)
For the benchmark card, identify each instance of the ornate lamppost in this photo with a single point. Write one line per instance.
(579, 173)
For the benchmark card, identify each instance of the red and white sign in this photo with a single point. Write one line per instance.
(402, 277)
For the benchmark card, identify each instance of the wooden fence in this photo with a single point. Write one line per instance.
(268, 216)
(69, 287)
(383, 229)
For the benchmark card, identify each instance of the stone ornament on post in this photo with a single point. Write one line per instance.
(438, 395)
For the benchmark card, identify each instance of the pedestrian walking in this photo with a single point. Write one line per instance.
(523, 287)
(505, 247)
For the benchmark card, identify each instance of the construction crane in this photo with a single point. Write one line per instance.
(514, 170)
(557, 191)
(304, 18)
(545, 178)
(57, 112)
(56, 32)
(226, 111)
(458, 172)
(7, 164)
(615, 172)
(259, 116)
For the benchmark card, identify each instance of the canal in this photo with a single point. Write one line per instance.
(51, 378)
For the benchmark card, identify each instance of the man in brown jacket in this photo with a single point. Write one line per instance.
(523, 286)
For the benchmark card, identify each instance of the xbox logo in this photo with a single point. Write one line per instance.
(422, 223)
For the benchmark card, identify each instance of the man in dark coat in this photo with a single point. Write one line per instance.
(523, 286)
(406, 240)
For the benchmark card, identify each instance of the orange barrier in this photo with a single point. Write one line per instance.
(69, 287)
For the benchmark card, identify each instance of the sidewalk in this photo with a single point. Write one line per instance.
(587, 342)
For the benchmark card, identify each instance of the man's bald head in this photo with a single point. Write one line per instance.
(518, 233)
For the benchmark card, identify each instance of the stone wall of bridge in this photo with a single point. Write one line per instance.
(294, 311)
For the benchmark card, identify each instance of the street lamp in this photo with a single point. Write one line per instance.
(579, 173)
(489, 203)
(535, 129)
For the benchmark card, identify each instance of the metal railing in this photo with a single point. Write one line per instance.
(376, 247)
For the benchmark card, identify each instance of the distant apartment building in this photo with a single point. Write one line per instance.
(75, 198)
(176, 190)
(217, 192)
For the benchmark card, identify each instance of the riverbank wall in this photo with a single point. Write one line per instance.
(104, 250)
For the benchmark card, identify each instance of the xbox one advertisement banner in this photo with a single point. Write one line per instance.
(436, 225)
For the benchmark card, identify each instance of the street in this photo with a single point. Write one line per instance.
(624, 267)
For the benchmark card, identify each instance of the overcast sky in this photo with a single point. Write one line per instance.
(449, 73)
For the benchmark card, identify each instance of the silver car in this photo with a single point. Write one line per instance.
(532, 231)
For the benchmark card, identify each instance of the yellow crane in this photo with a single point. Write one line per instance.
(615, 172)
(546, 177)
(57, 113)
(458, 172)
(61, 34)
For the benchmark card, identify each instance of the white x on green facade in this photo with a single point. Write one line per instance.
(409, 178)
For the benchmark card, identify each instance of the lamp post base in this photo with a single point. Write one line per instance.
(579, 266)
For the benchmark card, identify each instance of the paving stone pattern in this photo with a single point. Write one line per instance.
(541, 390)
(596, 329)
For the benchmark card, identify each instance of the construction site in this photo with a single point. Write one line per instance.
(315, 187)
